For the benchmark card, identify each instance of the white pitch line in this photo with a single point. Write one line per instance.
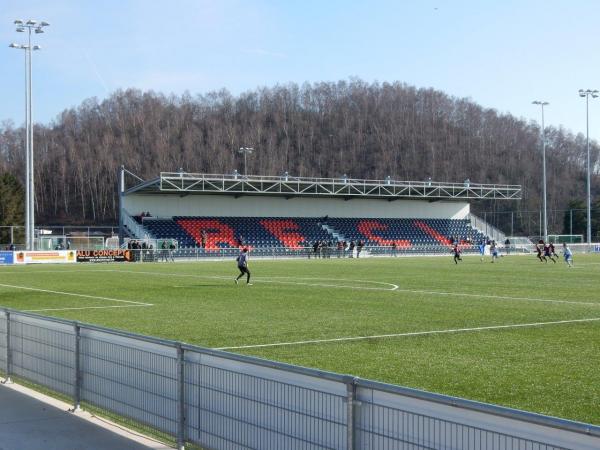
(415, 333)
(393, 287)
(76, 295)
(494, 297)
(87, 307)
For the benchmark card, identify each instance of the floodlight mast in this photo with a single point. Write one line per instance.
(542, 104)
(594, 94)
(245, 151)
(30, 25)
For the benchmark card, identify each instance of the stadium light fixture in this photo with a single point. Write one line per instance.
(587, 93)
(29, 26)
(542, 104)
(246, 151)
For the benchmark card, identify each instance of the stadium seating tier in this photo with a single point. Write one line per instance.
(294, 232)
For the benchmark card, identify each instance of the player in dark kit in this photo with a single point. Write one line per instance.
(456, 252)
(548, 253)
(242, 263)
(538, 249)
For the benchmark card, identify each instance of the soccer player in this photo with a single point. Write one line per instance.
(242, 263)
(538, 249)
(552, 250)
(567, 254)
(494, 251)
(456, 252)
(481, 250)
(548, 253)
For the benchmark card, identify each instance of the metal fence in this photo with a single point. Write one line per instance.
(192, 254)
(220, 400)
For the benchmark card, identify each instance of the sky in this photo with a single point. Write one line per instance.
(502, 54)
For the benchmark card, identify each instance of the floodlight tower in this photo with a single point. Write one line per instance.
(594, 94)
(245, 151)
(38, 28)
(542, 104)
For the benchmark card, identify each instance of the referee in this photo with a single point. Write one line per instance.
(242, 263)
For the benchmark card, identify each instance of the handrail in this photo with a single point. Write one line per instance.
(139, 231)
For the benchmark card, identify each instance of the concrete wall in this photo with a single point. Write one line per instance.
(261, 206)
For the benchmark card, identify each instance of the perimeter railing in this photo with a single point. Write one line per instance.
(220, 400)
(191, 254)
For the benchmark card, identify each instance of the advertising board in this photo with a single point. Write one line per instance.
(7, 257)
(48, 257)
(108, 255)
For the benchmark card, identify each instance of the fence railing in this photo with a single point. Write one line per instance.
(487, 229)
(138, 231)
(158, 255)
(220, 400)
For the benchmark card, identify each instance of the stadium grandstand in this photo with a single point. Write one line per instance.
(207, 213)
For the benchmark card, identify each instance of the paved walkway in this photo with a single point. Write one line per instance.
(33, 421)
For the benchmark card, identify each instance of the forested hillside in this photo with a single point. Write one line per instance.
(323, 129)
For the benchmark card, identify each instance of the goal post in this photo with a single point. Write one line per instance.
(567, 238)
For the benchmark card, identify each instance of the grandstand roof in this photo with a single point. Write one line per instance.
(343, 187)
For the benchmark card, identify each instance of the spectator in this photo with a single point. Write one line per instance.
(316, 249)
(172, 251)
(203, 239)
(163, 252)
(359, 247)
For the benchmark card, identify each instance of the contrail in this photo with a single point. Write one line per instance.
(95, 70)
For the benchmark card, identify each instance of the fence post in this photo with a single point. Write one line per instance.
(350, 403)
(180, 399)
(7, 377)
(77, 374)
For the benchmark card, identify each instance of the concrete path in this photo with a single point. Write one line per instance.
(33, 421)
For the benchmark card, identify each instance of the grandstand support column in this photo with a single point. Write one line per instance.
(512, 223)
(121, 191)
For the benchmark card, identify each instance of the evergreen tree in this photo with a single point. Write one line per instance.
(11, 207)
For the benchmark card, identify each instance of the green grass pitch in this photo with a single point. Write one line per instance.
(550, 365)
